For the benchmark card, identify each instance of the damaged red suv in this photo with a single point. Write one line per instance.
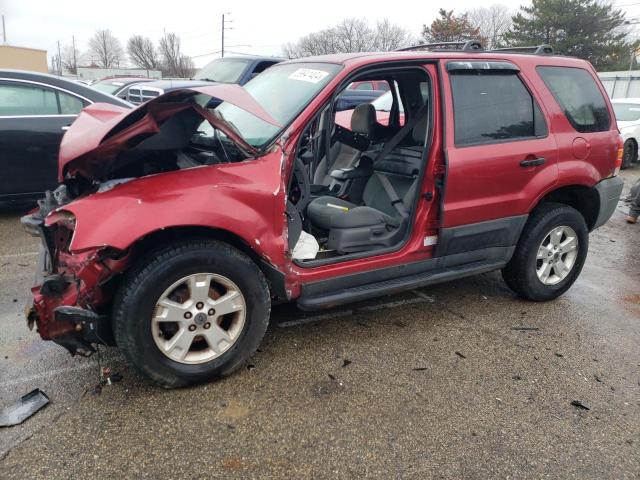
(176, 227)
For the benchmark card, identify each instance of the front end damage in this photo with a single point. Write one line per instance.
(72, 294)
(127, 174)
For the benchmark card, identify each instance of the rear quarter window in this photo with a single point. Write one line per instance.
(578, 95)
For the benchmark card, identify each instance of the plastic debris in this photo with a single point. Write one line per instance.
(579, 405)
(25, 407)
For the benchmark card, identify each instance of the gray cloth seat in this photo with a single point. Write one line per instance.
(387, 200)
(364, 122)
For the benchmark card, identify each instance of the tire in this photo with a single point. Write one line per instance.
(521, 273)
(630, 153)
(137, 305)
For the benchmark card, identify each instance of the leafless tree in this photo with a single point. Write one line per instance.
(174, 62)
(350, 35)
(106, 49)
(389, 36)
(493, 22)
(143, 53)
(70, 59)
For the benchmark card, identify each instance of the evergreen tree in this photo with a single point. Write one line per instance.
(589, 29)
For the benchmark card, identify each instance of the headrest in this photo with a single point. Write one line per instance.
(363, 119)
(419, 131)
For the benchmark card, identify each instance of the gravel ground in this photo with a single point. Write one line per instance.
(460, 380)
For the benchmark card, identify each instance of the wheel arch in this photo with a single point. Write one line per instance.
(581, 197)
(166, 236)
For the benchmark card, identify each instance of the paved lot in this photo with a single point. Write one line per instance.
(462, 380)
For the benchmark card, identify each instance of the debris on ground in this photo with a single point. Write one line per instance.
(559, 355)
(526, 329)
(579, 405)
(26, 406)
(419, 369)
(460, 355)
(346, 363)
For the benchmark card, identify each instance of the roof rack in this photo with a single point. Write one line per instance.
(466, 46)
(536, 50)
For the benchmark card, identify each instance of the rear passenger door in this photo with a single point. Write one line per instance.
(499, 151)
(33, 119)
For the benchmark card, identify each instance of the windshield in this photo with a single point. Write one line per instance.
(627, 112)
(283, 91)
(107, 87)
(223, 70)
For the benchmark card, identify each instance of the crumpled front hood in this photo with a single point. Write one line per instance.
(102, 130)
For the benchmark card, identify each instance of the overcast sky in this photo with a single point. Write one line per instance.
(264, 26)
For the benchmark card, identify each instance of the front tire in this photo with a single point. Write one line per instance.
(191, 312)
(550, 253)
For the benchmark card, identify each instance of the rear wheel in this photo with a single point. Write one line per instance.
(191, 312)
(629, 154)
(550, 253)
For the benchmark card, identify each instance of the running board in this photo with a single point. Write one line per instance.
(395, 285)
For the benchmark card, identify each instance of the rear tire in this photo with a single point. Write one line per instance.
(545, 264)
(630, 153)
(216, 343)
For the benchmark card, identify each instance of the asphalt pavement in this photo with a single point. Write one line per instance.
(460, 380)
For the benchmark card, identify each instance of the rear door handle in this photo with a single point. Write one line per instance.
(534, 162)
(65, 128)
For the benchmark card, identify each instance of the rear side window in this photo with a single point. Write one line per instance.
(491, 106)
(576, 92)
(69, 104)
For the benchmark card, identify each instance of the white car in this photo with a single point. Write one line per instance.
(627, 112)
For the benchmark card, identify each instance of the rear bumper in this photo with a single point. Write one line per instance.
(609, 191)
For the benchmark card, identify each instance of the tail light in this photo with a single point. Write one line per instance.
(619, 156)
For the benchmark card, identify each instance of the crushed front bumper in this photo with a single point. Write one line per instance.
(72, 292)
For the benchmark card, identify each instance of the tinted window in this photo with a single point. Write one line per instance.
(491, 106)
(26, 100)
(579, 97)
(69, 104)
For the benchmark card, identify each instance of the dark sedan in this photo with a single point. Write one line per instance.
(35, 111)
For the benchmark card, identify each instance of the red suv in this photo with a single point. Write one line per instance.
(176, 227)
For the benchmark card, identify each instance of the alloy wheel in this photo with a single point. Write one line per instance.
(198, 318)
(557, 255)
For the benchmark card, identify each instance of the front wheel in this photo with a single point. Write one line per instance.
(550, 253)
(191, 312)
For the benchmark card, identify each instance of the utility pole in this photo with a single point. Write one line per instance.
(4, 31)
(59, 60)
(224, 27)
(75, 60)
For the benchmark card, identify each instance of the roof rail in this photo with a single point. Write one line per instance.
(465, 46)
(536, 50)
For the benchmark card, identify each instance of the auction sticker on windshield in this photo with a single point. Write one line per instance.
(308, 75)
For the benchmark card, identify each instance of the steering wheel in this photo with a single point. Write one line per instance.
(300, 188)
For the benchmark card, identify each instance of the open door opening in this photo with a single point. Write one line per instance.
(358, 172)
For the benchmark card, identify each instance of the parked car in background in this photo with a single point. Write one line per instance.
(381, 85)
(627, 112)
(35, 111)
(351, 98)
(117, 86)
(221, 70)
(176, 228)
